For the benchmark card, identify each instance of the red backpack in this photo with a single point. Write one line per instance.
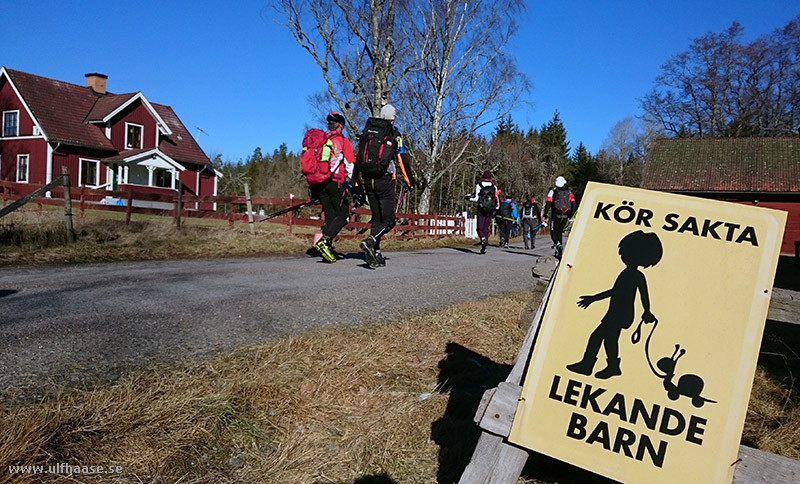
(312, 165)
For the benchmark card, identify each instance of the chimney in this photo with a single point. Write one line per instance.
(97, 82)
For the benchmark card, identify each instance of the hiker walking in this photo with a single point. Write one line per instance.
(327, 163)
(378, 158)
(560, 204)
(506, 216)
(530, 217)
(486, 196)
(637, 249)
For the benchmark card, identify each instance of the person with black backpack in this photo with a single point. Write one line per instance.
(507, 216)
(530, 216)
(561, 205)
(378, 158)
(486, 196)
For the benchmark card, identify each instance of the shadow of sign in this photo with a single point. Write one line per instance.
(465, 375)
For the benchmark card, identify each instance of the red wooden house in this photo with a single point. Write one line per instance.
(107, 141)
(757, 171)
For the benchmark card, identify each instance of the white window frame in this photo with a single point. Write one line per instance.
(141, 136)
(3, 133)
(27, 167)
(96, 172)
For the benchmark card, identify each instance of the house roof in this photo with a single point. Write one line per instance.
(60, 109)
(724, 165)
(66, 113)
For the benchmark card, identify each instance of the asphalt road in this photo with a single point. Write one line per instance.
(73, 324)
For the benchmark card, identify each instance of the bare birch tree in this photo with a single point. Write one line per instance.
(466, 80)
(353, 43)
(444, 63)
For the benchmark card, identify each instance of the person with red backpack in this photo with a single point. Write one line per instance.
(487, 197)
(334, 166)
(378, 159)
(561, 205)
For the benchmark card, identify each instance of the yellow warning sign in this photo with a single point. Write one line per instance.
(645, 357)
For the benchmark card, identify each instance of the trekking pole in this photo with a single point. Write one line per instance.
(290, 208)
(402, 198)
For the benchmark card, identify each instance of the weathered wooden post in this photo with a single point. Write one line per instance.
(67, 206)
(249, 209)
(179, 205)
(129, 207)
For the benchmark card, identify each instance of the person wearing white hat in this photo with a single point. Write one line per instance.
(560, 205)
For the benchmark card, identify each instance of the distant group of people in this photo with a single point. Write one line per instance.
(491, 206)
(370, 173)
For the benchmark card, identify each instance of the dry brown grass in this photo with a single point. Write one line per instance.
(38, 237)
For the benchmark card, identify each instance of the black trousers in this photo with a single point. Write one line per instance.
(557, 228)
(505, 229)
(334, 205)
(381, 198)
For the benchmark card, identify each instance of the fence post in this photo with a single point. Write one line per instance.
(129, 207)
(290, 214)
(179, 205)
(67, 206)
(249, 209)
(83, 200)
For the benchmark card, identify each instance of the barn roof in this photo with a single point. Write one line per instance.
(724, 165)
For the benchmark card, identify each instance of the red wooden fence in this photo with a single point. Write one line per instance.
(165, 204)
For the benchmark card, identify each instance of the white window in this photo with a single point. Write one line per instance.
(10, 123)
(90, 173)
(133, 136)
(22, 168)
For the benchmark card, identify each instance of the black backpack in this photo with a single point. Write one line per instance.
(561, 203)
(487, 201)
(528, 210)
(505, 209)
(377, 147)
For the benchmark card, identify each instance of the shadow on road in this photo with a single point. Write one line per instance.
(7, 292)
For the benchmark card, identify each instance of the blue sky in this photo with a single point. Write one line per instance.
(231, 70)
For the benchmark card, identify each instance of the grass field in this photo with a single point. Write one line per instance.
(390, 403)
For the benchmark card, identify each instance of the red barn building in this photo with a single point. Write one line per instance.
(758, 171)
(107, 141)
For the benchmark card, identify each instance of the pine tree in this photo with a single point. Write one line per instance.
(554, 135)
(583, 169)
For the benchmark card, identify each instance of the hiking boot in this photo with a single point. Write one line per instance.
(368, 246)
(483, 246)
(583, 367)
(325, 250)
(381, 260)
(611, 369)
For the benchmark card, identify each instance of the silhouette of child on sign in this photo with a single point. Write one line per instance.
(637, 249)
